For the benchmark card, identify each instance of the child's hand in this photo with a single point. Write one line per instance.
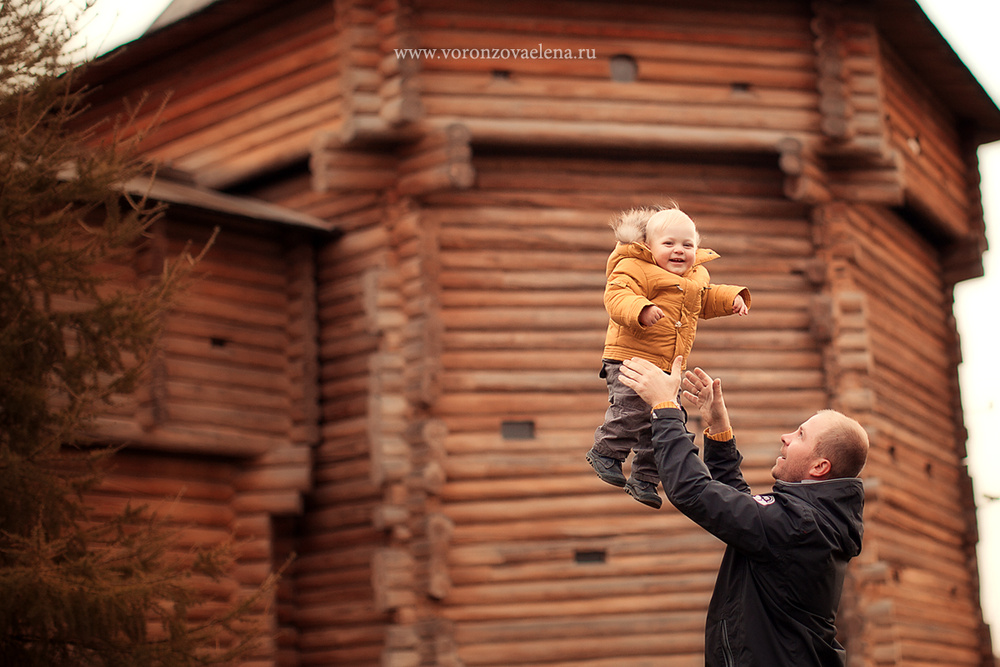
(740, 306)
(651, 315)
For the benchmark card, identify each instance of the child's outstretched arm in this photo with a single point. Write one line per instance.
(721, 300)
(740, 306)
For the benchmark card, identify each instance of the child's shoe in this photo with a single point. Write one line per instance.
(644, 492)
(607, 468)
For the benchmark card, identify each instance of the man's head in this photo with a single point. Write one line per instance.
(828, 445)
(673, 239)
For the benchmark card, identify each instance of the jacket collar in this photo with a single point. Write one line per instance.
(842, 500)
(642, 251)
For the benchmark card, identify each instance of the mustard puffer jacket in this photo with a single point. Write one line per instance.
(635, 281)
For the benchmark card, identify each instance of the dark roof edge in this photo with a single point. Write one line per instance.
(184, 30)
(178, 10)
(908, 29)
(244, 208)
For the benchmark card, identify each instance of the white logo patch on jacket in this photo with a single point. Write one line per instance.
(764, 500)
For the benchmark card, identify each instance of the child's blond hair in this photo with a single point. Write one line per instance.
(666, 216)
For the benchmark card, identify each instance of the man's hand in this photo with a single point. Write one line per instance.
(706, 394)
(653, 385)
(650, 315)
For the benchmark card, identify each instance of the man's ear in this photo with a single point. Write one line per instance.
(820, 468)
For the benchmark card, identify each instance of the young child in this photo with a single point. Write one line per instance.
(657, 289)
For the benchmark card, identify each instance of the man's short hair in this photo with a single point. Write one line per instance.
(844, 443)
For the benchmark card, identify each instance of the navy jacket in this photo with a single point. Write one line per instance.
(779, 585)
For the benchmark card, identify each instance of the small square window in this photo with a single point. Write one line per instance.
(590, 556)
(624, 69)
(517, 430)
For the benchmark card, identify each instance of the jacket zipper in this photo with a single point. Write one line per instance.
(727, 652)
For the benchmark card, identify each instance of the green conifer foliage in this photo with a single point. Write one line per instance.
(73, 592)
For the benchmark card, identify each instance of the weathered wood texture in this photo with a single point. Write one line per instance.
(848, 67)
(334, 609)
(722, 74)
(750, 73)
(898, 142)
(237, 354)
(232, 395)
(249, 99)
(935, 158)
(199, 504)
(508, 267)
(522, 272)
(463, 302)
(890, 328)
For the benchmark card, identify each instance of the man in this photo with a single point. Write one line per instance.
(779, 585)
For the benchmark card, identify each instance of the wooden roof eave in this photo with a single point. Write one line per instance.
(909, 30)
(224, 207)
(183, 32)
(902, 22)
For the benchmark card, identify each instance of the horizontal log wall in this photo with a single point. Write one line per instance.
(750, 73)
(234, 372)
(231, 394)
(465, 293)
(222, 383)
(334, 610)
(934, 162)
(522, 261)
(248, 100)
(848, 65)
(198, 504)
(917, 572)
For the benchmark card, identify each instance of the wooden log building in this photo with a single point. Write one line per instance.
(390, 364)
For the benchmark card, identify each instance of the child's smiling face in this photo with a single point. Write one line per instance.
(673, 242)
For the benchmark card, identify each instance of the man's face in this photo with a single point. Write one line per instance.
(798, 450)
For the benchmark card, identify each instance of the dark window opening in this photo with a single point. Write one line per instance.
(591, 556)
(624, 69)
(517, 430)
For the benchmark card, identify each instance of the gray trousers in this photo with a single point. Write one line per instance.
(627, 427)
